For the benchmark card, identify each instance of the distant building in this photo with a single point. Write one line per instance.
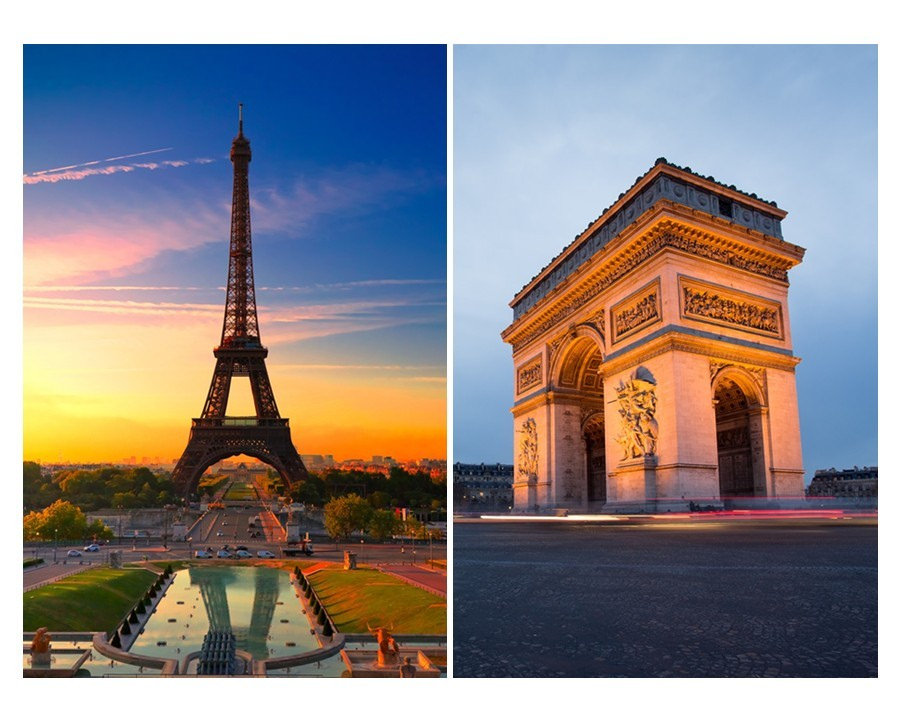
(482, 487)
(854, 483)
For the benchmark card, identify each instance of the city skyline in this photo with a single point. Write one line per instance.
(127, 190)
(545, 137)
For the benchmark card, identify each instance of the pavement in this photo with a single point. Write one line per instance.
(683, 599)
(423, 577)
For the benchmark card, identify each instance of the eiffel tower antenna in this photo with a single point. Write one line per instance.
(265, 435)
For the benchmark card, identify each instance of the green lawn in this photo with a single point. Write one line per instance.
(354, 598)
(240, 491)
(91, 600)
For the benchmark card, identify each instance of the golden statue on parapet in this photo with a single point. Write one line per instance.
(41, 641)
(388, 649)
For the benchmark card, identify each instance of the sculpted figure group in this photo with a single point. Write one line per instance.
(637, 407)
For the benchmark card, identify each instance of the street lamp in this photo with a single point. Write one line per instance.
(55, 542)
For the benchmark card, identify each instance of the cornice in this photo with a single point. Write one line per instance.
(647, 188)
(668, 228)
(674, 340)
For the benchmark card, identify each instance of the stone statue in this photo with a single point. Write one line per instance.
(388, 649)
(528, 451)
(40, 647)
(637, 407)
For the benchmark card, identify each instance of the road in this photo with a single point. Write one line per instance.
(738, 599)
(231, 527)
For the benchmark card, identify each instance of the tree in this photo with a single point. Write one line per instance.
(60, 521)
(413, 528)
(383, 524)
(379, 499)
(345, 515)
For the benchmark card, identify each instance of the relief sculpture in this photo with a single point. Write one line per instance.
(633, 317)
(528, 451)
(530, 375)
(733, 312)
(637, 407)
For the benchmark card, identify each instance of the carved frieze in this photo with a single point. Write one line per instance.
(636, 311)
(723, 306)
(698, 244)
(637, 408)
(529, 375)
(527, 466)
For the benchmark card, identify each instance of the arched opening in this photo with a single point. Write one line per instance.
(738, 441)
(236, 457)
(579, 468)
(595, 456)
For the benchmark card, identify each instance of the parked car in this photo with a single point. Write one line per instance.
(92, 548)
(265, 554)
(243, 554)
(202, 554)
(223, 554)
(220, 534)
(73, 553)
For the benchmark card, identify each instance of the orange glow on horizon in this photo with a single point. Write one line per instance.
(96, 393)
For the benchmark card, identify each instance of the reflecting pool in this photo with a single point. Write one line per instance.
(257, 604)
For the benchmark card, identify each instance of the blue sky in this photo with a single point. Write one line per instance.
(127, 194)
(545, 137)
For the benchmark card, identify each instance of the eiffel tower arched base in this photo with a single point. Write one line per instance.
(214, 439)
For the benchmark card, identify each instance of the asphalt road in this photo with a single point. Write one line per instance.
(233, 524)
(776, 599)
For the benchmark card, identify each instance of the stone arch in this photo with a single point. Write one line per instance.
(740, 417)
(580, 351)
(745, 380)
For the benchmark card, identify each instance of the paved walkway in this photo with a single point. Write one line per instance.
(47, 573)
(434, 582)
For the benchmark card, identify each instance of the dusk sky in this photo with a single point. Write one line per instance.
(545, 137)
(127, 195)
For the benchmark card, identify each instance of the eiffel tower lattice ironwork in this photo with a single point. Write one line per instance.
(266, 435)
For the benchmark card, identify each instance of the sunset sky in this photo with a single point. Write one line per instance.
(127, 193)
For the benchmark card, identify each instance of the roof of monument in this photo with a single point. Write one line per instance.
(756, 201)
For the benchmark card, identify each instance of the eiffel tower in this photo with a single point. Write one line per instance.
(266, 435)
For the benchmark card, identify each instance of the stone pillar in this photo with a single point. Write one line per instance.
(568, 461)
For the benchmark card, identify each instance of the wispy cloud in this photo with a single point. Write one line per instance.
(115, 288)
(384, 282)
(61, 174)
(98, 162)
(352, 189)
(122, 307)
(93, 243)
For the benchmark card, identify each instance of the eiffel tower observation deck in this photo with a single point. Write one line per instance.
(266, 435)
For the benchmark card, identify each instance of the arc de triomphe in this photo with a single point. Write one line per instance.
(653, 356)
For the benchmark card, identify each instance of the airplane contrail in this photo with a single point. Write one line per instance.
(97, 162)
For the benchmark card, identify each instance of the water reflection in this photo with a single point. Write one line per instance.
(257, 604)
(213, 583)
